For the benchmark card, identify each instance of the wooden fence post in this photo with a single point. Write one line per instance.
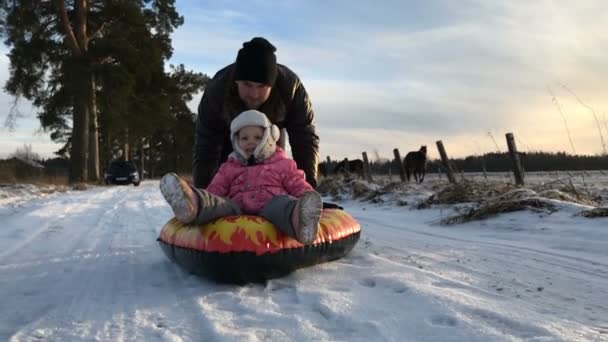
(445, 162)
(367, 171)
(400, 163)
(517, 170)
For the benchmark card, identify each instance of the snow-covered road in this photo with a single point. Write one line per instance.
(85, 265)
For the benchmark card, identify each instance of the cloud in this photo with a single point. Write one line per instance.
(407, 73)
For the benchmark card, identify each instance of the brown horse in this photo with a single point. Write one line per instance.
(354, 166)
(415, 163)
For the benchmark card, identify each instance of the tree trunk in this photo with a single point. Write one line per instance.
(77, 41)
(79, 154)
(80, 137)
(142, 156)
(104, 146)
(151, 164)
(93, 134)
(125, 146)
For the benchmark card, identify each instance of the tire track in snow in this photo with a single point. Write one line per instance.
(176, 291)
(523, 270)
(77, 305)
(577, 262)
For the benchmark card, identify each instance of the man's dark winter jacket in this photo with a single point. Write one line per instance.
(287, 107)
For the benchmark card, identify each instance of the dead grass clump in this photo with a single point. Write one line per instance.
(375, 195)
(566, 191)
(80, 186)
(560, 195)
(466, 191)
(497, 207)
(361, 189)
(595, 212)
(395, 187)
(330, 187)
(340, 187)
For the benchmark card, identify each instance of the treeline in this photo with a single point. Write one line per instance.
(501, 162)
(534, 161)
(95, 70)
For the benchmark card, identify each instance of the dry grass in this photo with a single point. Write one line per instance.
(39, 180)
(490, 199)
(595, 212)
(497, 207)
(339, 187)
(566, 191)
(46, 183)
(466, 191)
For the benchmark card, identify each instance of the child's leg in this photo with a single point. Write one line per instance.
(213, 207)
(191, 205)
(297, 218)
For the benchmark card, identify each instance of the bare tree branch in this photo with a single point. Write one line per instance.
(98, 31)
(69, 33)
(81, 23)
(597, 120)
(559, 108)
(10, 123)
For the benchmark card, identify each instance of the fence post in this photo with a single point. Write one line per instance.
(400, 163)
(366, 168)
(445, 162)
(517, 170)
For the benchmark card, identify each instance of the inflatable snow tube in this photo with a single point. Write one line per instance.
(243, 249)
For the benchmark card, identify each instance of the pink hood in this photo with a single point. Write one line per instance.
(252, 187)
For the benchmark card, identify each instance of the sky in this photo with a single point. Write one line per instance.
(86, 266)
(401, 74)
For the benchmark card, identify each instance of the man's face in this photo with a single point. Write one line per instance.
(253, 94)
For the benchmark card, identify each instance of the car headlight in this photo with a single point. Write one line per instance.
(107, 175)
(135, 174)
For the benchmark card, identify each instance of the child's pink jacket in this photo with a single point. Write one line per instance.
(252, 187)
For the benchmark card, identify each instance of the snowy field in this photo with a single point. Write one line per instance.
(85, 266)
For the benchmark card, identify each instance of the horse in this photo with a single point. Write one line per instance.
(415, 163)
(354, 166)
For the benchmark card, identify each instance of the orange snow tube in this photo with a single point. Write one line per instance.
(243, 249)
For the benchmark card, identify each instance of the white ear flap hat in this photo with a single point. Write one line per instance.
(267, 146)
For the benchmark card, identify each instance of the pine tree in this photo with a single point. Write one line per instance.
(61, 49)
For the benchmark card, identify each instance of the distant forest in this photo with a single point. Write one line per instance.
(501, 162)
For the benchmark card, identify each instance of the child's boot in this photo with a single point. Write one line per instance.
(305, 217)
(181, 197)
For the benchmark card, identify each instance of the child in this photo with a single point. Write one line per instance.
(257, 179)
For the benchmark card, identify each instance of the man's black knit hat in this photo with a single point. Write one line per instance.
(256, 62)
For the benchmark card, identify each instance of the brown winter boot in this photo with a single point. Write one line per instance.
(181, 197)
(305, 217)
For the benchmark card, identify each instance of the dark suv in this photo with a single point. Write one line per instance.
(122, 172)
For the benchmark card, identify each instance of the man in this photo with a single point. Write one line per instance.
(254, 81)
